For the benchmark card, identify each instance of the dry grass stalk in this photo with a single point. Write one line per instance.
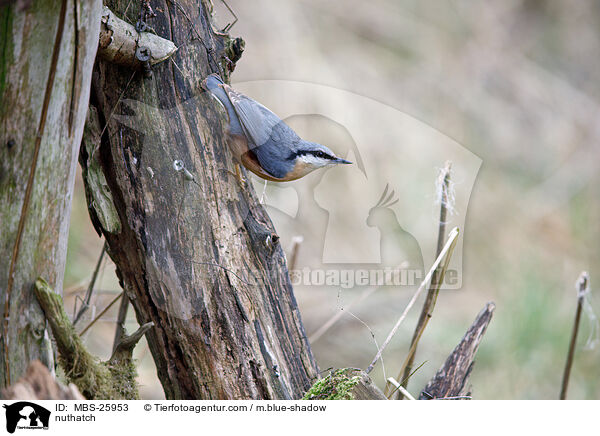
(581, 285)
(436, 280)
(400, 388)
(446, 251)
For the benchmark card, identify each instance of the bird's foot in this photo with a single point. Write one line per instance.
(239, 176)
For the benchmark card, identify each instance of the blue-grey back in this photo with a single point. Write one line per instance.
(272, 141)
(274, 155)
(268, 136)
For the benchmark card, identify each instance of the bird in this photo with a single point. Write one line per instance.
(262, 142)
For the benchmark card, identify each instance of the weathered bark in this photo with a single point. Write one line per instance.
(119, 42)
(452, 379)
(47, 53)
(195, 251)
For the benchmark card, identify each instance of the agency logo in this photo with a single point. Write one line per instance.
(371, 224)
(26, 415)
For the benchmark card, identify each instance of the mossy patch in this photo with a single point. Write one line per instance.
(112, 380)
(6, 20)
(337, 385)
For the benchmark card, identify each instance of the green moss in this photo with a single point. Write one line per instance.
(123, 375)
(112, 380)
(6, 18)
(337, 385)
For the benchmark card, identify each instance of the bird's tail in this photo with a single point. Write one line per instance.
(211, 82)
(213, 85)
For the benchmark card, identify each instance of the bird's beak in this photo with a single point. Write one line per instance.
(339, 160)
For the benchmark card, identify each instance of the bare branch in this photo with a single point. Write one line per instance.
(90, 290)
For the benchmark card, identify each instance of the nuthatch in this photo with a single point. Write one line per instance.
(262, 142)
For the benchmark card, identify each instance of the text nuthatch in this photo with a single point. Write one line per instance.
(262, 142)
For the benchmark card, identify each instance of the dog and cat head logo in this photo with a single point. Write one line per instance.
(26, 415)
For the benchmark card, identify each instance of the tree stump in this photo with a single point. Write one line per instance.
(195, 251)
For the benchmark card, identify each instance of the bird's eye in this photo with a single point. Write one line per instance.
(320, 154)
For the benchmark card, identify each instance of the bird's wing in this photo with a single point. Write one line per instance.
(268, 136)
(257, 121)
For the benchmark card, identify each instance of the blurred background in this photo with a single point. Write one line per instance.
(506, 90)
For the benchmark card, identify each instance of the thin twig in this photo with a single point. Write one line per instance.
(335, 318)
(117, 103)
(125, 13)
(408, 362)
(96, 292)
(436, 280)
(372, 336)
(209, 51)
(85, 304)
(582, 287)
(177, 66)
(388, 396)
(448, 248)
(120, 323)
(405, 369)
(230, 25)
(92, 322)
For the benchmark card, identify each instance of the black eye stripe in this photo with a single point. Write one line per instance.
(315, 153)
(319, 153)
